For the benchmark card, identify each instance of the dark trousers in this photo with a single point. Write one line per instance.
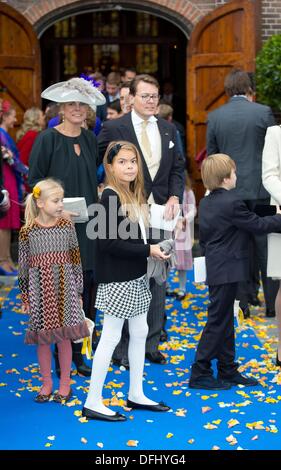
(217, 340)
(258, 262)
(89, 294)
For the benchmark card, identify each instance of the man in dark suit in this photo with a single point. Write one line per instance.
(238, 129)
(225, 225)
(163, 170)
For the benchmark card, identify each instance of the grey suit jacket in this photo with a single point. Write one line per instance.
(238, 129)
(169, 180)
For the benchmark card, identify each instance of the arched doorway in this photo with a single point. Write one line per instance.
(112, 40)
(227, 37)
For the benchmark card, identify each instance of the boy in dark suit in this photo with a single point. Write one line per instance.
(225, 225)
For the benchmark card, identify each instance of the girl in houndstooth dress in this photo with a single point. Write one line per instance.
(51, 284)
(121, 266)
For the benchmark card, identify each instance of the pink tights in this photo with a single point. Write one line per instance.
(45, 358)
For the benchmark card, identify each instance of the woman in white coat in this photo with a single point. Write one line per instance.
(271, 178)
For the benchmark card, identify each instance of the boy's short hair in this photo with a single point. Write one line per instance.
(215, 168)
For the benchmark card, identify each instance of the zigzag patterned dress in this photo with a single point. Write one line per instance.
(51, 280)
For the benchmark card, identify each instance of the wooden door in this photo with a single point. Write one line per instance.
(225, 38)
(20, 63)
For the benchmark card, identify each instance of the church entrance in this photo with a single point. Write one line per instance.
(108, 41)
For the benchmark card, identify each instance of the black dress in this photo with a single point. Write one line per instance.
(53, 155)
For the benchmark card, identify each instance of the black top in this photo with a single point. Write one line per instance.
(53, 155)
(225, 225)
(118, 260)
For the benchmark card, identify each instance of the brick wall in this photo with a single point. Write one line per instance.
(194, 10)
(271, 18)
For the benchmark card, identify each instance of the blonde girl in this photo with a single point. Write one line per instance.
(51, 284)
(123, 289)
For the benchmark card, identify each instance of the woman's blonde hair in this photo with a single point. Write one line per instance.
(43, 190)
(133, 201)
(31, 120)
(215, 168)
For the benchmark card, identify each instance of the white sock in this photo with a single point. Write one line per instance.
(110, 337)
(138, 330)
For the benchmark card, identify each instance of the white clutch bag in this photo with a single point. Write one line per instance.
(200, 269)
(78, 205)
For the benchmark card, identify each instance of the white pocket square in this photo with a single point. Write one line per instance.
(171, 144)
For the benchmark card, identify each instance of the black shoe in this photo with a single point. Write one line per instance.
(90, 414)
(137, 406)
(156, 357)
(270, 313)
(209, 383)
(180, 295)
(84, 370)
(278, 363)
(163, 336)
(124, 362)
(239, 379)
(170, 292)
(254, 300)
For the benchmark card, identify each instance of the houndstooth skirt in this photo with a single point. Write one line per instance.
(124, 299)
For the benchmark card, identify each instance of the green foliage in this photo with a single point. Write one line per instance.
(268, 73)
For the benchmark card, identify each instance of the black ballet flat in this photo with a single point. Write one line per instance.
(278, 363)
(137, 406)
(90, 414)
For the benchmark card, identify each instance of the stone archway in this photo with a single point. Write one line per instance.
(184, 14)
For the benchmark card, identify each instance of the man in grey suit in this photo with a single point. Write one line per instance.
(163, 169)
(238, 129)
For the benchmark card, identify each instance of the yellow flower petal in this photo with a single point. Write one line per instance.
(132, 443)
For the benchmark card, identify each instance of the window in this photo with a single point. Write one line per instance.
(147, 58)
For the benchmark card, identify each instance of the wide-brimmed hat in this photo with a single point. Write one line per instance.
(75, 89)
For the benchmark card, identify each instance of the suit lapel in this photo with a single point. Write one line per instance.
(165, 139)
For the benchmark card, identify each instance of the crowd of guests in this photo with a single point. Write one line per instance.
(116, 137)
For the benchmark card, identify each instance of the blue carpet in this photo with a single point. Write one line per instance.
(240, 418)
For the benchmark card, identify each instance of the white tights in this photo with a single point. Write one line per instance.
(110, 337)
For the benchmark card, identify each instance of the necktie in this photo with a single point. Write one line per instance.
(145, 144)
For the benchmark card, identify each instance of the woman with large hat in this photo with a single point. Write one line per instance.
(69, 153)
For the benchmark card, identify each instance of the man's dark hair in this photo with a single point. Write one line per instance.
(142, 78)
(125, 85)
(237, 82)
(115, 105)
